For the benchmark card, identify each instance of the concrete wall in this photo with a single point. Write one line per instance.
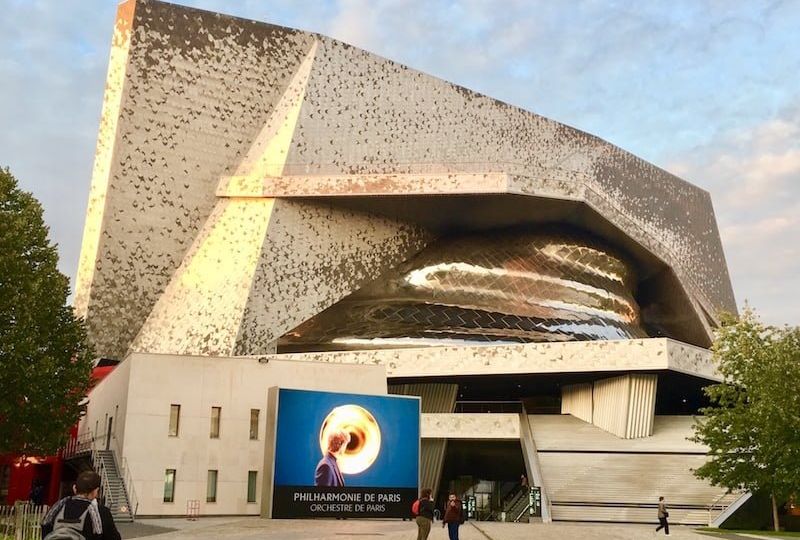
(624, 406)
(437, 399)
(108, 398)
(629, 355)
(197, 384)
(470, 426)
(576, 399)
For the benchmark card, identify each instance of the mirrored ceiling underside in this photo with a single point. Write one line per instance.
(509, 286)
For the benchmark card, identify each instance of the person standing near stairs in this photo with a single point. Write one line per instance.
(662, 516)
(81, 516)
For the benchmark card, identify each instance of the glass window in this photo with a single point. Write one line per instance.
(215, 414)
(169, 486)
(174, 419)
(211, 487)
(5, 481)
(254, 424)
(251, 486)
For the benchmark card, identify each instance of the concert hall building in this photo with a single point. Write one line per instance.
(273, 207)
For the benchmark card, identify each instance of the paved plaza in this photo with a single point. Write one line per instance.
(255, 528)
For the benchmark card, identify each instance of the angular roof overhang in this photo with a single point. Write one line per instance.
(203, 113)
(602, 357)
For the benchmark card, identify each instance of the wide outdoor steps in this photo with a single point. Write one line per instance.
(117, 496)
(591, 475)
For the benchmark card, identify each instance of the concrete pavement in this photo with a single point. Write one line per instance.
(255, 528)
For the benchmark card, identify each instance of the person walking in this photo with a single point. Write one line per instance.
(662, 516)
(423, 509)
(80, 516)
(453, 516)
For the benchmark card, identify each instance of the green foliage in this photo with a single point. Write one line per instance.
(45, 362)
(753, 424)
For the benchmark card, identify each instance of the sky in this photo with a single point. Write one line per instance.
(706, 89)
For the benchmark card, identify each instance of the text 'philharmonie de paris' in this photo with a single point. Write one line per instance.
(273, 207)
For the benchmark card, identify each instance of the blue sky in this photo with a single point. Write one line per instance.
(708, 90)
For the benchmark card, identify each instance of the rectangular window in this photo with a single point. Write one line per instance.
(215, 414)
(5, 482)
(174, 419)
(254, 424)
(169, 486)
(251, 486)
(211, 487)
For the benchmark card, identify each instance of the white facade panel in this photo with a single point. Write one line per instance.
(236, 385)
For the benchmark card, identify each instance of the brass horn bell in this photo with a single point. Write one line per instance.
(365, 437)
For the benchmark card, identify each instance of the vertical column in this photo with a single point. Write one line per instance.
(623, 406)
(641, 405)
(270, 436)
(435, 398)
(576, 399)
(611, 397)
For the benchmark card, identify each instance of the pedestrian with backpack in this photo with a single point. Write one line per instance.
(80, 517)
(423, 512)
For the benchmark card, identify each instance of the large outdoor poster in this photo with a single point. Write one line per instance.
(345, 455)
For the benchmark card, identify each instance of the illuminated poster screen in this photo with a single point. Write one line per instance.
(345, 455)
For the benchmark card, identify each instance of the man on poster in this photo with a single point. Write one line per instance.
(327, 472)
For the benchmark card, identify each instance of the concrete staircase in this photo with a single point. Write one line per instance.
(593, 476)
(517, 508)
(116, 496)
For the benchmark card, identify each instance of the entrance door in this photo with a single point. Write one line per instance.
(108, 432)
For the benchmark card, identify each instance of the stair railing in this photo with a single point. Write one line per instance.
(100, 468)
(716, 505)
(722, 508)
(133, 499)
(519, 516)
(127, 478)
(81, 444)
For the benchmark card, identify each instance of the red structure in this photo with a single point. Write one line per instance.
(19, 474)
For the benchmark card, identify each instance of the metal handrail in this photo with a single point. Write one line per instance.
(527, 506)
(716, 505)
(82, 443)
(133, 499)
(127, 477)
(100, 468)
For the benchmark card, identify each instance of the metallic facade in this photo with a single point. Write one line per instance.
(246, 177)
(261, 190)
(502, 287)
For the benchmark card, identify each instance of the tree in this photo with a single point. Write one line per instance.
(45, 362)
(752, 425)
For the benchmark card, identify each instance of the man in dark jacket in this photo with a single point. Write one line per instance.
(327, 472)
(662, 516)
(98, 524)
(453, 516)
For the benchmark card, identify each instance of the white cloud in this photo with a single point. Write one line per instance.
(754, 179)
(693, 83)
